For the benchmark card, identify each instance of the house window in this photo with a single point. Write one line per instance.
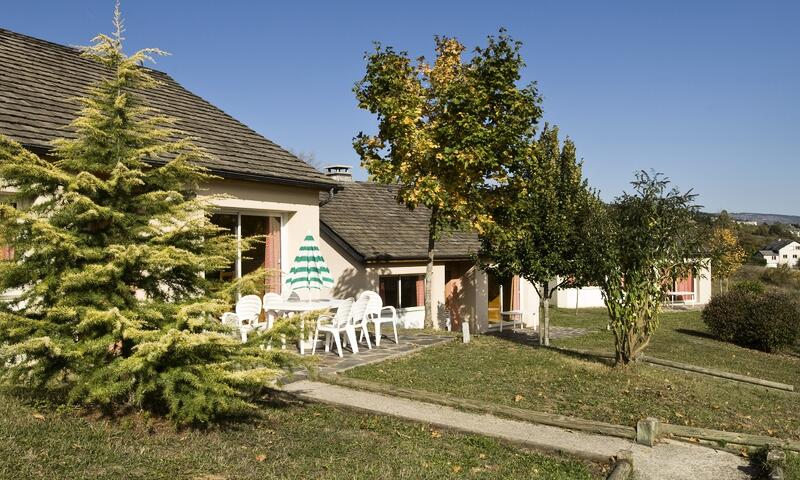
(264, 252)
(402, 291)
(785, 256)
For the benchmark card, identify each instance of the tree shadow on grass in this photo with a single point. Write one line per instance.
(532, 341)
(695, 333)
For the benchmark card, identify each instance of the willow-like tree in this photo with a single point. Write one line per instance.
(536, 220)
(112, 306)
(639, 246)
(445, 130)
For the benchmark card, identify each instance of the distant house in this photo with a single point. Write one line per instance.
(692, 290)
(373, 243)
(780, 252)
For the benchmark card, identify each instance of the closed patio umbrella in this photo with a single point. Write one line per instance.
(309, 270)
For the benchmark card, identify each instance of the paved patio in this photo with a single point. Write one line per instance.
(330, 362)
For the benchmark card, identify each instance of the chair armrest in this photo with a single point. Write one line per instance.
(391, 309)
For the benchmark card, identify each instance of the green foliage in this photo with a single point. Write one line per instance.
(764, 321)
(725, 252)
(782, 277)
(114, 310)
(639, 246)
(749, 286)
(536, 219)
(445, 130)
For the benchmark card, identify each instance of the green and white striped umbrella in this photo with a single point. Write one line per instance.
(309, 269)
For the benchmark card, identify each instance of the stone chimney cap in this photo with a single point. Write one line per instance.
(340, 173)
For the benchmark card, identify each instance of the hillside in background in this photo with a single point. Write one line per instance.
(766, 217)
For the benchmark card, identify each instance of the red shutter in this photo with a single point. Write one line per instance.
(6, 253)
(420, 291)
(515, 300)
(685, 285)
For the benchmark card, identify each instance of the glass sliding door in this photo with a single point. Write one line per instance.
(264, 252)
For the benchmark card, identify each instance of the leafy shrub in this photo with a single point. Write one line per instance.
(781, 276)
(764, 321)
(749, 286)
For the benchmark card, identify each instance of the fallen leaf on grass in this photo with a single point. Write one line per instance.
(743, 452)
(518, 398)
(261, 457)
(38, 416)
(435, 434)
(456, 468)
(482, 456)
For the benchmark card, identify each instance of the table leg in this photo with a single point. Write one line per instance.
(302, 338)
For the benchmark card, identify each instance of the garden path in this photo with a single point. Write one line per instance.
(666, 461)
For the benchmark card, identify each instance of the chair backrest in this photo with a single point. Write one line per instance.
(359, 311)
(342, 315)
(374, 303)
(248, 307)
(271, 298)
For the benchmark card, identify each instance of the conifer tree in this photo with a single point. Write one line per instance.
(114, 310)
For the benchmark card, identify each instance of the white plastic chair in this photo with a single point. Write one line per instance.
(270, 298)
(375, 314)
(247, 311)
(358, 317)
(334, 326)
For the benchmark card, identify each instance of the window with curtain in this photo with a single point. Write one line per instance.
(265, 252)
(402, 291)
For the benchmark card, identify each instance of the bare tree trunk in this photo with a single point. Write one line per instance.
(544, 326)
(429, 273)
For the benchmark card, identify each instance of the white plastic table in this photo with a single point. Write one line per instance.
(309, 306)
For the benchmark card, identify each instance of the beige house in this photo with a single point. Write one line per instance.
(373, 243)
(369, 240)
(271, 192)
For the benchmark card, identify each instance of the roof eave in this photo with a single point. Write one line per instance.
(228, 174)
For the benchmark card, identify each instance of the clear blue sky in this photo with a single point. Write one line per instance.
(706, 92)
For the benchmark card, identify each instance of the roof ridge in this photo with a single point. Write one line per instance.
(38, 106)
(72, 49)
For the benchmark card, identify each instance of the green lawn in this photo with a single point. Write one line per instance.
(498, 370)
(792, 470)
(682, 337)
(295, 441)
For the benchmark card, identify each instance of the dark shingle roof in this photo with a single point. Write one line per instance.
(369, 220)
(776, 245)
(39, 78)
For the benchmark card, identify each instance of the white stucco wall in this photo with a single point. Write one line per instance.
(529, 304)
(585, 297)
(789, 254)
(702, 284)
(298, 208)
